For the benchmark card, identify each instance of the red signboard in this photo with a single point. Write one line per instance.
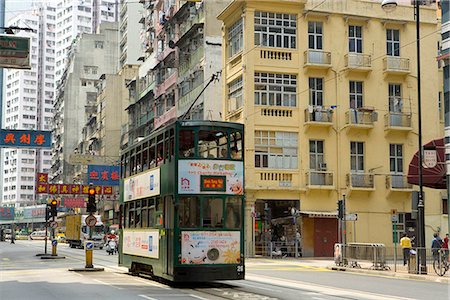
(71, 189)
(75, 189)
(42, 177)
(75, 202)
(42, 188)
(53, 188)
(212, 183)
(107, 190)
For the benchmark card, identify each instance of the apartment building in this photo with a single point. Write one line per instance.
(28, 104)
(327, 91)
(129, 46)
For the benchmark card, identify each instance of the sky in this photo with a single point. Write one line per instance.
(15, 7)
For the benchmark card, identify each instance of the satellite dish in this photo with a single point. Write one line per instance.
(171, 44)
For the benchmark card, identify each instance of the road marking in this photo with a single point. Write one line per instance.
(5, 258)
(108, 284)
(330, 291)
(172, 295)
(258, 287)
(151, 283)
(147, 297)
(198, 297)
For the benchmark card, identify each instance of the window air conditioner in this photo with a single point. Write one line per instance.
(322, 166)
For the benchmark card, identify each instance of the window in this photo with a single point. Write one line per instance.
(212, 212)
(356, 94)
(235, 38)
(98, 44)
(395, 98)
(316, 156)
(316, 91)
(275, 89)
(393, 42)
(396, 158)
(235, 95)
(211, 143)
(189, 212)
(355, 39)
(276, 150)
(357, 157)
(275, 30)
(315, 36)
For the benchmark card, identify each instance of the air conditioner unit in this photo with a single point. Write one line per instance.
(322, 166)
(200, 31)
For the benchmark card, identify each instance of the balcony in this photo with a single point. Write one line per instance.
(193, 60)
(361, 118)
(318, 116)
(395, 65)
(361, 181)
(358, 62)
(170, 79)
(274, 180)
(186, 100)
(397, 122)
(317, 59)
(398, 183)
(322, 180)
(197, 18)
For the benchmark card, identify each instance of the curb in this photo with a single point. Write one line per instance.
(52, 257)
(87, 269)
(391, 274)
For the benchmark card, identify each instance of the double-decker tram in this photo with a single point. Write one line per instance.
(182, 203)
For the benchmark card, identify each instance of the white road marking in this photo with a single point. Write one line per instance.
(147, 297)
(155, 284)
(259, 287)
(198, 297)
(108, 284)
(325, 290)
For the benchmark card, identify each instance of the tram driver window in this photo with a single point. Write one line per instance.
(236, 145)
(189, 212)
(212, 212)
(212, 143)
(233, 212)
(187, 143)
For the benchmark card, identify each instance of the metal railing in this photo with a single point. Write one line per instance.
(319, 178)
(317, 57)
(397, 119)
(395, 64)
(285, 249)
(316, 114)
(360, 117)
(352, 254)
(360, 180)
(398, 181)
(358, 60)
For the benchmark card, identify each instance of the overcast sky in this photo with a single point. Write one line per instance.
(15, 7)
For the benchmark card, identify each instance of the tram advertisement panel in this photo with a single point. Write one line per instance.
(210, 176)
(142, 243)
(146, 184)
(210, 247)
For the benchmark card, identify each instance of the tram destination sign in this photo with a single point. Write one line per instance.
(14, 52)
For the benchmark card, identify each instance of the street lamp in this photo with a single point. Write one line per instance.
(388, 6)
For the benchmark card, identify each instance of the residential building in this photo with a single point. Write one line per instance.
(327, 91)
(129, 28)
(28, 104)
(90, 56)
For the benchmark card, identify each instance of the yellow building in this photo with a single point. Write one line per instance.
(327, 91)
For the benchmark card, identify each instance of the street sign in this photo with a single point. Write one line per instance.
(25, 138)
(91, 221)
(394, 218)
(54, 224)
(14, 52)
(54, 242)
(89, 245)
(351, 217)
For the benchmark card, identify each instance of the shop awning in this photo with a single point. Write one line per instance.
(433, 167)
(319, 214)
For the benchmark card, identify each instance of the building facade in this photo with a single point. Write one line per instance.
(327, 92)
(129, 46)
(28, 104)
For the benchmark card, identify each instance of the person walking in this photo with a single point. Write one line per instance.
(405, 243)
(13, 234)
(436, 244)
(445, 245)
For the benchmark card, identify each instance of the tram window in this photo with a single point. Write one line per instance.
(189, 212)
(236, 145)
(152, 154)
(159, 211)
(131, 218)
(211, 143)
(151, 212)
(233, 212)
(166, 148)
(212, 212)
(172, 142)
(159, 150)
(144, 217)
(187, 143)
(138, 159)
(137, 223)
(132, 163)
(145, 157)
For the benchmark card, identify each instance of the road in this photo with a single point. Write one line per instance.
(25, 276)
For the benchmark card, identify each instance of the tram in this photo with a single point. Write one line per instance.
(182, 203)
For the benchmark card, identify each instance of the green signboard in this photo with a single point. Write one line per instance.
(14, 52)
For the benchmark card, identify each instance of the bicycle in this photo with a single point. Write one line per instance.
(440, 263)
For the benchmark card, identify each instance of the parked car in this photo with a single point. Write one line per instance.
(39, 235)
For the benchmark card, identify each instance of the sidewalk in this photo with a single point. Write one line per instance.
(401, 272)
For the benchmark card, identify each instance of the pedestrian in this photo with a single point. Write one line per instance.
(405, 243)
(436, 244)
(13, 234)
(445, 245)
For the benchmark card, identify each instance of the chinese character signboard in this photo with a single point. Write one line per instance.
(212, 183)
(25, 138)
(42, 177)
(71, 189)
(103, 175)
(14, 52)
(76, 202)
(6, 213)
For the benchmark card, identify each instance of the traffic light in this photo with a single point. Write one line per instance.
(340, 209)
(53, 211)
(91, 205)
(48, 211)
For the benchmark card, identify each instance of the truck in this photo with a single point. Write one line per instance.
(77, 232)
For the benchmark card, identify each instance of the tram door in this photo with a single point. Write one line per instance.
(169, 234)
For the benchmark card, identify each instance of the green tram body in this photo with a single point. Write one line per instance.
(155, 226)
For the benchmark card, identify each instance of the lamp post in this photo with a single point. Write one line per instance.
(388, 6)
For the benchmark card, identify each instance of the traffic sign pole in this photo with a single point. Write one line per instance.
(89, 246)
(54, 244)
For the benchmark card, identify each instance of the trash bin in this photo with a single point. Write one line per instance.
(412, 263)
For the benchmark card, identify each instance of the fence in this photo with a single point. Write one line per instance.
(281, 249)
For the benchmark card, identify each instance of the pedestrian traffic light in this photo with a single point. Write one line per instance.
(53, 211)
(91, 205)
(340, 209)
(48, 211)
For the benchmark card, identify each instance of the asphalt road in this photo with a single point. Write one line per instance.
(25, 276)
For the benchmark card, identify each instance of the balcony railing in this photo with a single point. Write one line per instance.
(363, 117)
(192, 61)
(196, 19)
(397, 120)
(317, 58)
(318, 114)
(395, 64)
(319, 179)
(360, 181)
(358, 61)
(398, 182)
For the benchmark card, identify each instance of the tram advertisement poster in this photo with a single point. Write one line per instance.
(141, 243)
(197, 176)
(144, 185)
(211, 247)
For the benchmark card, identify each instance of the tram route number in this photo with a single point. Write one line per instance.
(240, 269)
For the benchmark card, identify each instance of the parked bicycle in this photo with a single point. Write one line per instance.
(440, 263)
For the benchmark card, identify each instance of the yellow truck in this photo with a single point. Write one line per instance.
(77, 232)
